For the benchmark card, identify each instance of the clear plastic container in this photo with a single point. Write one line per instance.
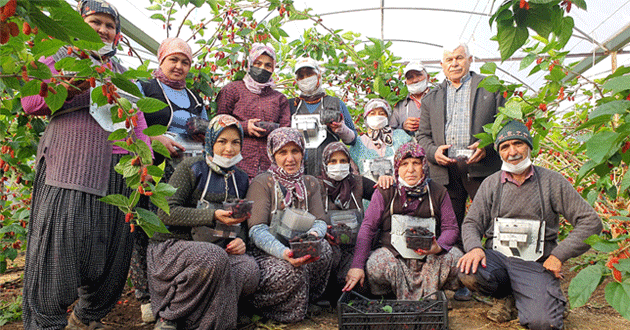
(240, 208)
(312, 248)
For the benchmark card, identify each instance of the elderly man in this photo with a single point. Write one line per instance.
(518, 210)
(313, 100)
(406, 113)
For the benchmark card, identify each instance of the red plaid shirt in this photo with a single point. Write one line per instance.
(236, 100)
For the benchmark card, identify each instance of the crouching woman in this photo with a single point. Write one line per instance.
(196, 276)
(287, 203)
(413, 205)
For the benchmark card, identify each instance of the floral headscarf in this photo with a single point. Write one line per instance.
(381, 136)
(412, 150)
(338, 191)
(168, 47)
(294, 183)
(89, 7)
(215, 128)
(257, 50)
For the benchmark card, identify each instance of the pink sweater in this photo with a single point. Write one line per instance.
(77, 152)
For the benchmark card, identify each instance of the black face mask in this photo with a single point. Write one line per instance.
(259, 75)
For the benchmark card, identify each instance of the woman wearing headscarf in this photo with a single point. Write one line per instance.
(282, 194)
(195, 281)
(379, 141)
(414, 199)
(78, 246)
(343, 192)
(253, 100)
(183, 106)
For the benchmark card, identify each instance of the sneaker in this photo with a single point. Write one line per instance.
(147, 313)
(163, 324)
(462, 294)
(503, 310)
(74, 323)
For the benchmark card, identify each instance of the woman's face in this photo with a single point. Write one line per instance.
(175, 66)
(228, 143)
(377, 112)
(410, 170)
(104, 25)
(338, 157)
(265, 62)
(289, 158)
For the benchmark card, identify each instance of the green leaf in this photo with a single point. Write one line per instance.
(617, 84)
(511, 38)
(512, 110)
(165, 189)
(158, 147)
(126, 85)
(155, 171)
(56, 101)
(14, 227)
(150, 105)
(118, 134)
(541, 19)
(583, 285)
(623, 265)
(625, 182)
(117, 200)
(564, 31)
(488, 68)
(527, 61)
(600, 244)
(387, 309)
(143, 151)
(154, 7)
(610, 108)
(30, 88)
(491, 83)
(42, 72)
(618, 295)
(160, 202)
(150, 222)
(48, 47)
(98, 97)
(155, 130)
(213, 5)
(600, 145)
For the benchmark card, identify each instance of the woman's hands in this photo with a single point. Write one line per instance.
(435, 249)
(226, 217)
(254, 130)
(74, 87)
(354, 276)
(385, 181)
(297, 262)
(236, 246)
(171, 145)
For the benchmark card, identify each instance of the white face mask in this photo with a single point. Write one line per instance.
(376, 122)
(404, 183)
(418, 87)
(518, 168)
(105, 50)
(226, 162)
(308, 85)
(338, 172)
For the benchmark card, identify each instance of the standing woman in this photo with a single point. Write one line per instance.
(380, 140)
(287, 284)
(343, 189)
(252, 100)
(168, 86)
(197, 284)
(78, 246)
(393, 268)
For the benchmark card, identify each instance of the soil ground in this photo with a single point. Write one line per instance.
(596, 314)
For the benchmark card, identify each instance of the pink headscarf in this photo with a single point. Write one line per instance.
(168, 47)
(257, 50)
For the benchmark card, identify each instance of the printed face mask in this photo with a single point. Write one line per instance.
(259, 75)
(418, 87)
(338, 172)
(226, 162)
(376, 122)
(308, 85)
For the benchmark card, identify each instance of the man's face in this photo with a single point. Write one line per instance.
(304, 73)
(414, 76)
(456, 64)
(513, 151)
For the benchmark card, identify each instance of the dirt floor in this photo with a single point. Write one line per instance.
(596, 314)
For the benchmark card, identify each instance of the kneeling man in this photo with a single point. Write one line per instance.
(518, 210)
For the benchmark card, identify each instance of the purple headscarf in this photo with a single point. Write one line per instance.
(412, 150)
(257, 50)
(338, 190)
(294, 183)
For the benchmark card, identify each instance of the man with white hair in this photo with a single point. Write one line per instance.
(313, 100)
(406, 114)
(517, 210)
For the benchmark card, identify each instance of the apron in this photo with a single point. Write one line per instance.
(401, 222)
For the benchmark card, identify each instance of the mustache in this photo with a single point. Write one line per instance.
(515, 157)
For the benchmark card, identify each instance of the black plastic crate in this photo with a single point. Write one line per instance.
(430, 313)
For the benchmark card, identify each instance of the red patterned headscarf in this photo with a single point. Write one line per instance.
(294, 183)
(89, 7)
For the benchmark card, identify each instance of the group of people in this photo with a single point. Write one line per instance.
(216, 262)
